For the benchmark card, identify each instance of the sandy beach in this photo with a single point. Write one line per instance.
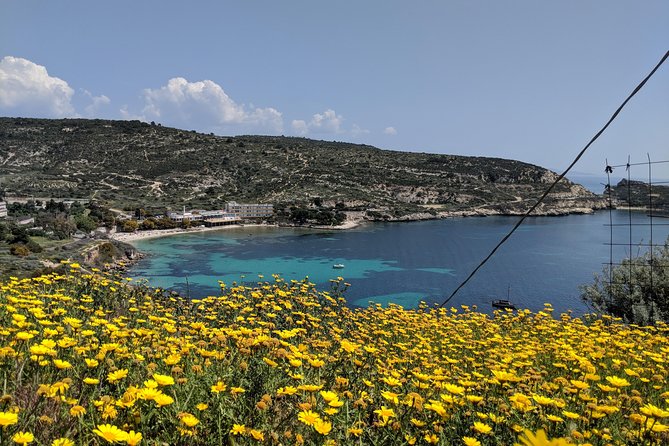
(130, 237)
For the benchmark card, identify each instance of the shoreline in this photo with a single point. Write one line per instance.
(131, 237)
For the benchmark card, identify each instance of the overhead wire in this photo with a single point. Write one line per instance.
(560, 177)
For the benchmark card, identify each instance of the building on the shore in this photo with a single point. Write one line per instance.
(3, 209)
(233, 212)
(246, 210)
(202, 215)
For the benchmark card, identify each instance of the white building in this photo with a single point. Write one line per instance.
(3, 209)
(250, 210)
(201, 215)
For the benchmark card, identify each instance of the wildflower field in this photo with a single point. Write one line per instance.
(89, 359)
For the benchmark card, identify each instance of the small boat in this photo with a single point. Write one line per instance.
(338, 265)
(503, 304)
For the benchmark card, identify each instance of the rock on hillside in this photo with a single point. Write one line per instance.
(131, 164)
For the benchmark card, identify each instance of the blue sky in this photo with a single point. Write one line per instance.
(526, 80)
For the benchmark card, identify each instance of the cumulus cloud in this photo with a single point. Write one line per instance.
(204, 105)
(300, 127)
(26, 89)
(96, 103)
(356, 130)
(327, 122)
(390, 131)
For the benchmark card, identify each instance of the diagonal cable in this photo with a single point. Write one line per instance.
(550, 188)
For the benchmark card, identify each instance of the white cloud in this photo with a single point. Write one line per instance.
(26, 89)
(390, 131)
(300, 127)
(327, 122)
(205, 106)
(96, 103)
(356, 130)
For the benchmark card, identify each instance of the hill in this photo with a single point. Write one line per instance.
(640, 194)
(131, 164)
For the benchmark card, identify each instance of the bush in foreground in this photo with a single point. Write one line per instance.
(88, 359)
(636, 290)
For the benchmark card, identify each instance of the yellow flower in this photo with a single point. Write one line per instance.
(189, 420)
(111, 433)
(134, 438)
(540, 439)
(62, 364)
(502, 376)
(163, 400)
(202, 406)
(617, 382)
(653, 411)
(355, 431)
(238, 429)
(308, 417)
(62, 442)
(482, 427)
(219, 387)
(8, 418)
(287, 391)
(117, 375)
(323, 427)
(24, 336)
(454, 389)
(385, 413)
(163, 380)
(580, 385)
(91, 381)
(543, 400)
(77, 411)
(328, 396)
(392, 382)
(23, 438)
(310, 387)
(659, 427)
(148, 394)
(554, 418)
(471, 441)
(236, 390)
(571, 415)
(257, 435)
(431, 438)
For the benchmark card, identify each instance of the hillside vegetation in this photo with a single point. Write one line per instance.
(87, 359)
(131, 164)
(640, 194)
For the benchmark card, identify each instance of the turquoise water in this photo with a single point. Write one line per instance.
(404, 263)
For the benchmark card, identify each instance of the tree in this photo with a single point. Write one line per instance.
(129, 226)
(637, 290)
(85, 223)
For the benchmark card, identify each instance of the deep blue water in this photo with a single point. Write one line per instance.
(545, 260)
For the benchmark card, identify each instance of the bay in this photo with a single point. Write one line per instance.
(545, 261)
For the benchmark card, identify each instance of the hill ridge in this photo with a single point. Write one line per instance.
(135, 164)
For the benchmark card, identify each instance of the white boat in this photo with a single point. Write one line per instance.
(338, 265)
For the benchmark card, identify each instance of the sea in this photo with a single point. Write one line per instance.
(545, 261)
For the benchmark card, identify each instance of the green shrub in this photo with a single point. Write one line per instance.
(19, 249)
(637, 290)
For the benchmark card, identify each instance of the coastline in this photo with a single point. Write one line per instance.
(131, 237)
(350, 223)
